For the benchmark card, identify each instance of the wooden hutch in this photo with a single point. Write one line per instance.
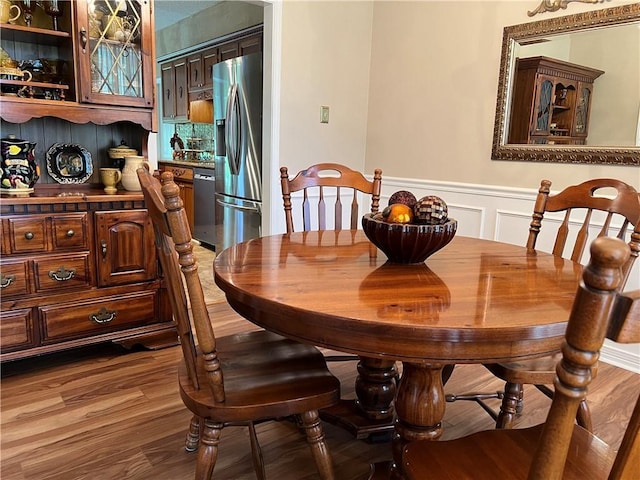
(79, 266)
(551, 102)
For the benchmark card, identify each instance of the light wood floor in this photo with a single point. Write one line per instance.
(106, 414)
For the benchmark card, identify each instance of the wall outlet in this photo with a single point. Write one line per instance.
(324, 114)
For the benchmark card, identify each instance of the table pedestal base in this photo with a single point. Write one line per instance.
(347, 415)
(371, 416)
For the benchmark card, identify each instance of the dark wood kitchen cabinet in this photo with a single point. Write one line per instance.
(79, 267)
(175, 97)
(199, 71)
(551, 102)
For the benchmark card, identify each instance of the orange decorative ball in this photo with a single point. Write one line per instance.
(398, 213)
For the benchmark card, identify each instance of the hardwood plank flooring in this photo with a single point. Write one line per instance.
(106, 413)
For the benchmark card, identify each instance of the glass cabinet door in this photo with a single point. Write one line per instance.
(543, 106)
(115, 52)
(582, 111)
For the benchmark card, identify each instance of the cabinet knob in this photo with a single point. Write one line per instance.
(29, 235)
(6, 280)
(103, 248)
(70, 233)
(103, 316)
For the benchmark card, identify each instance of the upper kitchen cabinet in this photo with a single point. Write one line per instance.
(175, 100)
(201, 72)
(187, 79)
(89, 61)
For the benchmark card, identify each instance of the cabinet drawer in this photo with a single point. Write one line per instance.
(69, 271)
(70, 231)
(180, 173)
(72, 320)
(28, 234)
(16, 330)
(14, 278)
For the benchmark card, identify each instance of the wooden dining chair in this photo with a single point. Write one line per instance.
(236, 380)
(326, 181)
(558, 448)
(619, 214)
(330, 183)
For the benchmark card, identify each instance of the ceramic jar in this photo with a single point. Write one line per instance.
(118, 154)
(130, 180)
(20, 171)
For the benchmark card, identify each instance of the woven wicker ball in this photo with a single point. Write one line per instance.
(430, 210)
(403, 196)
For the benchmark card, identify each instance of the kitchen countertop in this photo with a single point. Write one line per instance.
(187, 163)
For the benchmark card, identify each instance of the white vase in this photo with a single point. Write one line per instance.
(130, 180)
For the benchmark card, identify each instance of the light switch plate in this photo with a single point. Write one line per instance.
(324, 114)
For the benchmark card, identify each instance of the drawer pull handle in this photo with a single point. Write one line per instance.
(70, 233)
(103, 316)
(6, 280)
(29, 235)
(62, 274)
(103, 246)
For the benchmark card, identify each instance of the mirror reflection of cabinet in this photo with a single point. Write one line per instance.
(551, 102)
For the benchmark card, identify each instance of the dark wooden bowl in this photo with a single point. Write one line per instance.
(408, 243)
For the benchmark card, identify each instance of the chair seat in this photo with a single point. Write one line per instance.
(481, 456)
(265, 376)
(537, 371)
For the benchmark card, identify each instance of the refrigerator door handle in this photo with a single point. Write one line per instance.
(233, 130)
(256, 208)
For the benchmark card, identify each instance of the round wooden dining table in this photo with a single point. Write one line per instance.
(474, 301)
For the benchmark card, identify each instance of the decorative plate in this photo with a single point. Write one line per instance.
(69, 163)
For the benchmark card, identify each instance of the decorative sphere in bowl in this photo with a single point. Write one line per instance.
(408, 243)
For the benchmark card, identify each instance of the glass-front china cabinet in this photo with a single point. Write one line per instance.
(71, 57)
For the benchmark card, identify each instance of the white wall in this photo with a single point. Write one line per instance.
(326, 50)
(430, 73)
(434, 77)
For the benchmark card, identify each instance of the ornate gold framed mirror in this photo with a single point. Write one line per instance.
(568, 89)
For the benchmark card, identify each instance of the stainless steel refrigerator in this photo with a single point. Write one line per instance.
(237, 113)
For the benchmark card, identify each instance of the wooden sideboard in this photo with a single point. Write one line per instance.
(79, 267)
